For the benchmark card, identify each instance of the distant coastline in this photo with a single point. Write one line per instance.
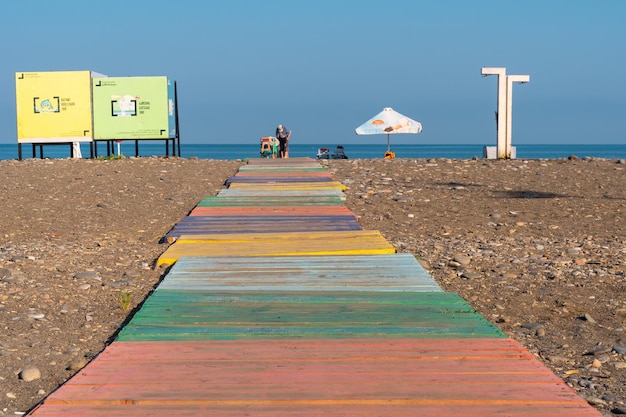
(358, 151)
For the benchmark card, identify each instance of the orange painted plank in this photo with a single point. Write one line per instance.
(477, 377)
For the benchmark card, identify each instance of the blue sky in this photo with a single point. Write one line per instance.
(324, 67)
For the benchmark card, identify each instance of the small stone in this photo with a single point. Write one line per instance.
(30, 373)
(5, 273)
(84, 287)
(540, 332)
(596, 363)
(619, 349)
(532, 326)
(11, 395)
(619, 365)
(132, 274)
(88, 275)
(596, 401)
(36, 316)
(77, 365)
(588, 318)
(557, 359)
(471, 275)
(598, 350)
(619, 410)
(462, 259)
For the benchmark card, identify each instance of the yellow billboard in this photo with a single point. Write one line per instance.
(54, 107)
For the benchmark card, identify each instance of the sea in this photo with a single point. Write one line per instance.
(356, 151)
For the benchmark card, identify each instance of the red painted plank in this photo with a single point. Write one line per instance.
(319, 409)
(478, 377)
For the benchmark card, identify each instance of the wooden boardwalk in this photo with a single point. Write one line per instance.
(272, 307)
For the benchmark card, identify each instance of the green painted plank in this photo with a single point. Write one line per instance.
(206, 315)
(393, 272)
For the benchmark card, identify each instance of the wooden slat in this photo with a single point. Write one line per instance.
(403, 377)
(279, 211)
(280, 162)
(196, 225)
(279, 168)
(208, 315)
(270, 179)
(302, 173)
(396, 272)
(358, 242)
(310, 193)
(284, 201)
(307, 185)
(259, 225)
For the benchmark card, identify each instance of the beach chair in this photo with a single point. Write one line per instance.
(339, 153)
(269, 147)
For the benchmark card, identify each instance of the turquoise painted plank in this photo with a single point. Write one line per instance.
(311, 193)
(394, 272)
(265, 201)
(207, 315)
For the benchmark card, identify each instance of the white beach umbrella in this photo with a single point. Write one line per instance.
(389, 121)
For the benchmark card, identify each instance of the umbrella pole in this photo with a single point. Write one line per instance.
(388, 147)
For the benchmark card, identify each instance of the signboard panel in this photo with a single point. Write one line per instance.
(54, 107)
(133, 108)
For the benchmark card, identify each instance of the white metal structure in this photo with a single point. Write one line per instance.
(505, 107)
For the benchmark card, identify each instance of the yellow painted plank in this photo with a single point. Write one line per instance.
(354, 242)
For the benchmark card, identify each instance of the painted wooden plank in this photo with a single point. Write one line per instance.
(303, 173)
(272, 185)
(396, 272)
(357, 242)
(302, 161)
(279, 211)
(207, 315)
(284, 179)
(277, 168)
(228, 225)
(225, 201)
(311, 193)
(404, 377)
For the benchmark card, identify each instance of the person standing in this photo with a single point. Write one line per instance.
(283, 134)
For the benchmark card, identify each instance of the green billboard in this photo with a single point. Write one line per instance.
(134, 108)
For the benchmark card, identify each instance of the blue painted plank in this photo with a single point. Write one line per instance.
(394, 272)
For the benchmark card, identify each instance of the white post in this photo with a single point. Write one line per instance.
(509, 108)
(501, 117)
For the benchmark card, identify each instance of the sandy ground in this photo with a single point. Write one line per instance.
(537, 247)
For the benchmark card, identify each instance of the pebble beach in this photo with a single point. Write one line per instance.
(538, 247)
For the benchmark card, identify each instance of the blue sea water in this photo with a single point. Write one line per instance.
(360, 151)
